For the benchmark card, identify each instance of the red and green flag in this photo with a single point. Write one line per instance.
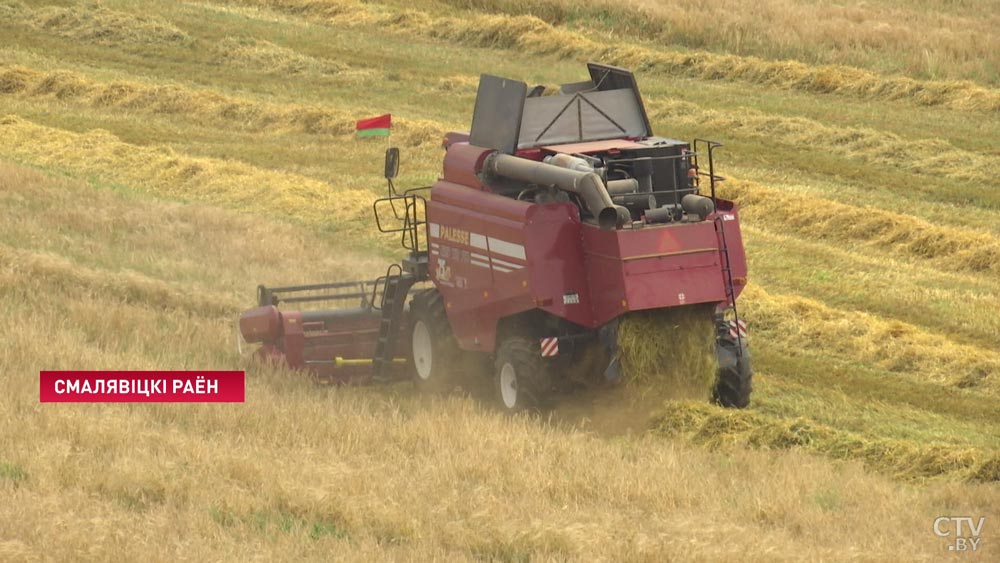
(375, 126)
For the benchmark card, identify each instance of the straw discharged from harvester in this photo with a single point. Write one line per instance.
(669, 353)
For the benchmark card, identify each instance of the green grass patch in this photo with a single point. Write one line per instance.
(12, 472)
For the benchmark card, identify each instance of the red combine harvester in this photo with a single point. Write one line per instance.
(554, 217)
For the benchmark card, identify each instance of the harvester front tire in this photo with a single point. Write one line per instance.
(521, 379)
(735, 383)
(435, 353)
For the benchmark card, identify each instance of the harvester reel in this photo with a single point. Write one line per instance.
(522, 379)
(435, 353)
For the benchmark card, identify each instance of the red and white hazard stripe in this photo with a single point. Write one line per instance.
(549, 347)
(737, 328)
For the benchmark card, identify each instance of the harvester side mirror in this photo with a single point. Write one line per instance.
(391, 162)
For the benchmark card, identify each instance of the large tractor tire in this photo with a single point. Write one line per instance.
(522, 379)
(434, 351)
(735, 382)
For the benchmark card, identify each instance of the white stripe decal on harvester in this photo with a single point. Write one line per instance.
(498, 262)
(507, 248)
(477, 240)
(491, 245)
(549, 346)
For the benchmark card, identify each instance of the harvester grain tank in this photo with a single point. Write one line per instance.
(554, 218)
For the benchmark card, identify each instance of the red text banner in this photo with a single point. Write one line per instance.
(142, 386)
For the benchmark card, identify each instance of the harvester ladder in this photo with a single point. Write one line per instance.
(727, 276)
(397, 287)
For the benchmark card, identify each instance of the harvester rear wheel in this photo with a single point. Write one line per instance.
(435, 353)
(522, 378)
(735, 381)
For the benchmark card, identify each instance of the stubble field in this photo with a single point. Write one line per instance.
(158, 160)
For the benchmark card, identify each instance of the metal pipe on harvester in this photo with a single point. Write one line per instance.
(588, 185)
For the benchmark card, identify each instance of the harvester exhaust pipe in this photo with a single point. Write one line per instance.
(588, 185)
(698, 205)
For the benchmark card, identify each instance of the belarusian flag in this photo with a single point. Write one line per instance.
(374, 127)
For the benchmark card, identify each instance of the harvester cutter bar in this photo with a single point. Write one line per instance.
(275, 295)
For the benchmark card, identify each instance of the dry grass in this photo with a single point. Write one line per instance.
(53, 273)
(258, 54)
(532, 35)
(96, 24)
(926, 40)
(351, 475)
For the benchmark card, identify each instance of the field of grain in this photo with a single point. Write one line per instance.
(158, 160)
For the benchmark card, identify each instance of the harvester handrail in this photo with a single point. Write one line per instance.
(383, 280)
(411, 222)
(712, 177)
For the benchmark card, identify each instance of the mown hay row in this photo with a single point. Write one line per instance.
(532, 35)
(903, 459)
(669, 352)
(264, 56)
(913, 39)
(43, 274)
(818, 218)
(258, 54)
(930, 157)
(179, 100)
(876, 283)
(95, 24)
(800, 323)
(162, 171)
